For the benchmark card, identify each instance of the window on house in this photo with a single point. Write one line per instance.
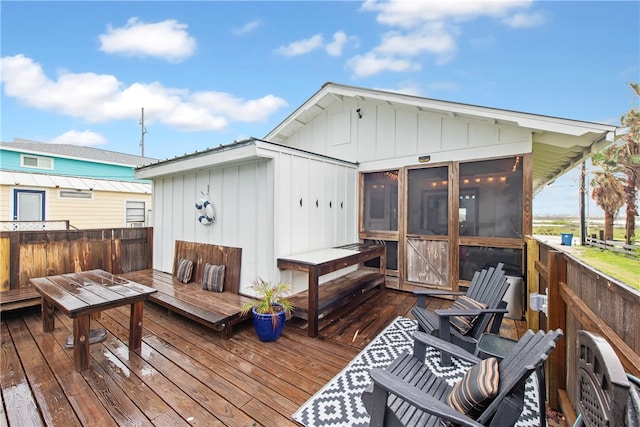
(135, 212)
(491, 198)
(36, 162)
(381, 201)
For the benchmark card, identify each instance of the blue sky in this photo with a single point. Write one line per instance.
(211, 72)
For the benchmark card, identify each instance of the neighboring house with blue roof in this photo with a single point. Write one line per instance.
(88, 187)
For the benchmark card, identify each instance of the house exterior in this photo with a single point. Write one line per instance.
(447, 186)
(42, 183)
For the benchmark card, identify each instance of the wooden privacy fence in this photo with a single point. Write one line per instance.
(580, 297)
(27, 254)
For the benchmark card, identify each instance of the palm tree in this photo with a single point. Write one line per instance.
(608, 191)
(629, 160)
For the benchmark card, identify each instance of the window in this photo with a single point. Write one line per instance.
(36, 162)
(135, 212)
(381, 201)
(491, 198)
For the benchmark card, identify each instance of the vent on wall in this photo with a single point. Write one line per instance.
(75, 194)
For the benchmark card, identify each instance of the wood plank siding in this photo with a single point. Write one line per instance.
(185, 374)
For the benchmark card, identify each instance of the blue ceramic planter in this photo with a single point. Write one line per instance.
(263, 324)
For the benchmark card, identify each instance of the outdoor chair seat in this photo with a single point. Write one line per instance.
(607, 396)
(488, 288)
(407, 393)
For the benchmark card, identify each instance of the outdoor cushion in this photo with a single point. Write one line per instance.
(184, 270)
(213, 279)
(474, 392)
(464, 324)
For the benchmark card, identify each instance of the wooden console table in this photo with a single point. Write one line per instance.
(319, 299)
(78, 295)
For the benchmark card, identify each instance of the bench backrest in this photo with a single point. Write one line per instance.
(203, 253)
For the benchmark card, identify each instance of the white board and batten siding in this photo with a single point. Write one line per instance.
(257, 207)
(394, 136)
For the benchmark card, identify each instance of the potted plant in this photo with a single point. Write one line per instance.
(271, 310)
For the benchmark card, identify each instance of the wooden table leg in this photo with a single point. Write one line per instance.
(135, 326)
(312, 310)
(81, 356)
(48, 318)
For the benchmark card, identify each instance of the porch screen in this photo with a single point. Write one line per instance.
(491, 198)
(381, 201)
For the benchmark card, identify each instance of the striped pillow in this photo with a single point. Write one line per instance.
(213, 279)
(464, 324)
(477, 389)
(184, 270)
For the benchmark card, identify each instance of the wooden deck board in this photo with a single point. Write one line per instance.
(185, 373)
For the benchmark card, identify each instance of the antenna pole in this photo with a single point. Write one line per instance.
(143, 131)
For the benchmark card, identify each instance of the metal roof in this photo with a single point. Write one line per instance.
(25, 179)
(76, 152)
(558, 144)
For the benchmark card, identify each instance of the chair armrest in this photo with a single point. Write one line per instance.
(422, 295)
(419, 398)
(448, 312)
(423, 339)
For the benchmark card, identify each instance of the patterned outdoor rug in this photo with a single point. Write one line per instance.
(338, 403)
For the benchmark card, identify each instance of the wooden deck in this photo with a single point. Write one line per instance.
(185, 373)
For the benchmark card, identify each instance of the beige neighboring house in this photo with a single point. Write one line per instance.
(43, 185)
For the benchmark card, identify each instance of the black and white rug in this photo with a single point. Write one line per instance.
(338, 403)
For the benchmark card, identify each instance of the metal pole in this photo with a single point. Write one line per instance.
(143, 131)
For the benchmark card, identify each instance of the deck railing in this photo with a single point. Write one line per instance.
(27, 254)
(580, 297)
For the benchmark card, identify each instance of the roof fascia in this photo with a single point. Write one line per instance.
(527, 120)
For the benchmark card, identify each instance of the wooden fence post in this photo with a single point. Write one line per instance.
(556, 369)
(533, 281)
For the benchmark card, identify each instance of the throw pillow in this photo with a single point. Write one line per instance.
(474, 392)
(184, 270)
(213, 279)
(464, 324)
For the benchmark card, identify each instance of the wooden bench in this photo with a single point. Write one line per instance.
(219, 311)
(14, 299)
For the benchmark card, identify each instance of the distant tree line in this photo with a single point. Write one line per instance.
(617, 180)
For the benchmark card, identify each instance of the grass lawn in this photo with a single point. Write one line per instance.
(618, 266)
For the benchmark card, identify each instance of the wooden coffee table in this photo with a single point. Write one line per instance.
(79, 295)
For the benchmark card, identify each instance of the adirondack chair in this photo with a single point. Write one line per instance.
(605, 393)
(407, 393)
(487, 287)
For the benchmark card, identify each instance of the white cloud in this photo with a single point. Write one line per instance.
(247, 28)
(525, 20)
(167, 40)
(301, 47)
(407, 14)
(432, 38)
(85, 138)
(370, 64)
(339, 41)
(102, 98)
(431, 27)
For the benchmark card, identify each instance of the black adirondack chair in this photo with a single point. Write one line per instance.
(407, 393)
(487, 287)
(605, 397)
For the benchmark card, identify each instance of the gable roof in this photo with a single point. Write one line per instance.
(76, 152)
(558, 144)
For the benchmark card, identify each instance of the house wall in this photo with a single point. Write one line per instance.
(388, 136)
(103, 210)
(69, 167)
(267, 207)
